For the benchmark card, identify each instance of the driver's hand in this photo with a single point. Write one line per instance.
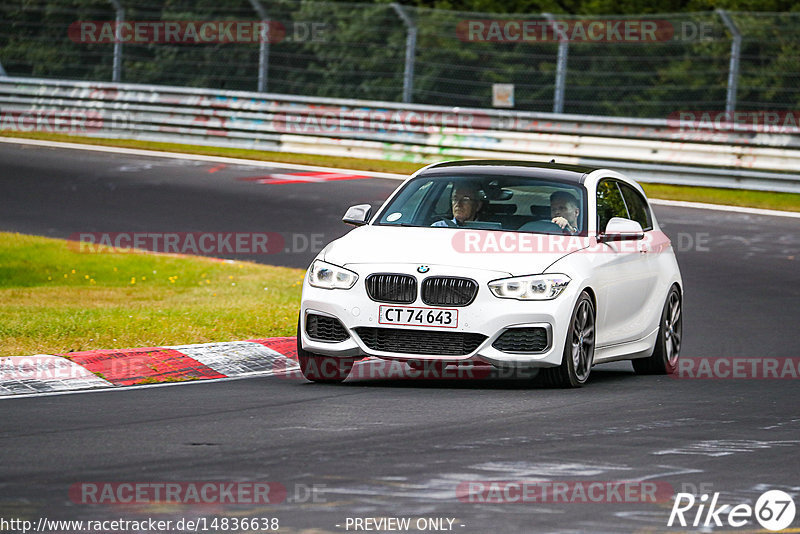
(560, 221)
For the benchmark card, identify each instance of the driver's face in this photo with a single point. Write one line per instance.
(465, 204)
(563, 208)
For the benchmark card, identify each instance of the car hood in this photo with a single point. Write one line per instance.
(514, 253)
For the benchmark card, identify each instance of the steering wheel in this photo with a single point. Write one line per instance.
(544, 226)
(448, 221)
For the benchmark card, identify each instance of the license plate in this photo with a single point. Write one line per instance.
(407, 315)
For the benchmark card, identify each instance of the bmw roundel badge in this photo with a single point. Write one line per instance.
(423, 269)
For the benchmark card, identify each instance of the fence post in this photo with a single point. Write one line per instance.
(263, 47)
(119, 18)
(733, 69)
(561, 65)
(2, 71)
(411, 52)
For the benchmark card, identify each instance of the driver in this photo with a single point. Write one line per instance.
(466, 203)
(564, 210)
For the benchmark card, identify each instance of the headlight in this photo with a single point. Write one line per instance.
(534, 287)
(329, 276)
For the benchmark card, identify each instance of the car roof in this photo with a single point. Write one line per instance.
(551, 171)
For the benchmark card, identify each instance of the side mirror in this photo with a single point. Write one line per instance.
(357, 215)
(619, 229)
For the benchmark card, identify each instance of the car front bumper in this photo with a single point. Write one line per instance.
(486, 315)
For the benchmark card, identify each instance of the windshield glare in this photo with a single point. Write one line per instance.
(509, 203)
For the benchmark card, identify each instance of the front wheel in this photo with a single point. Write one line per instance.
(668, 344)
(576, 363)
(322, 369)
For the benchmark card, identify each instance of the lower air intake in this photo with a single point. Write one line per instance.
(420, 341)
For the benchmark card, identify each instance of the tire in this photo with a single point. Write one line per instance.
(664, 359)
(322, 369)
(576, 363)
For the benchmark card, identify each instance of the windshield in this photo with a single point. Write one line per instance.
(507, 203)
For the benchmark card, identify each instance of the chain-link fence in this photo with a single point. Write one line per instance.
(634, 66)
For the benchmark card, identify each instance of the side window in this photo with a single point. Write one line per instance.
(637, 206)
(609, 203)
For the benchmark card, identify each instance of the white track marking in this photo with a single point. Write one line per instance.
(43, 373)
(716, 447)
(238, 358)
(387, 175)
(119, 389)
(197, 157)
(720, 207)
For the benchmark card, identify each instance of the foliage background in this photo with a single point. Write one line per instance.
(360, 52)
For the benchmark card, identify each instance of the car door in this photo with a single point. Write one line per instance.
(658, 266)
(625, 277)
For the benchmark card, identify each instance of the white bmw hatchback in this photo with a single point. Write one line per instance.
(511, 264)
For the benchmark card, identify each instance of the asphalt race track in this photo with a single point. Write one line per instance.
(377, 447)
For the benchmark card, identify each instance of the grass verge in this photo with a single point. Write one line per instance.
(731, 197)
(55, 299)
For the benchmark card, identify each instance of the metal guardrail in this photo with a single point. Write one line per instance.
(650, 150)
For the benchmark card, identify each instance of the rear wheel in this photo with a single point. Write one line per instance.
(576, 363)
(319, 368)
(668, 344)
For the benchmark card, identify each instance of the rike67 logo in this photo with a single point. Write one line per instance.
(774, 510)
